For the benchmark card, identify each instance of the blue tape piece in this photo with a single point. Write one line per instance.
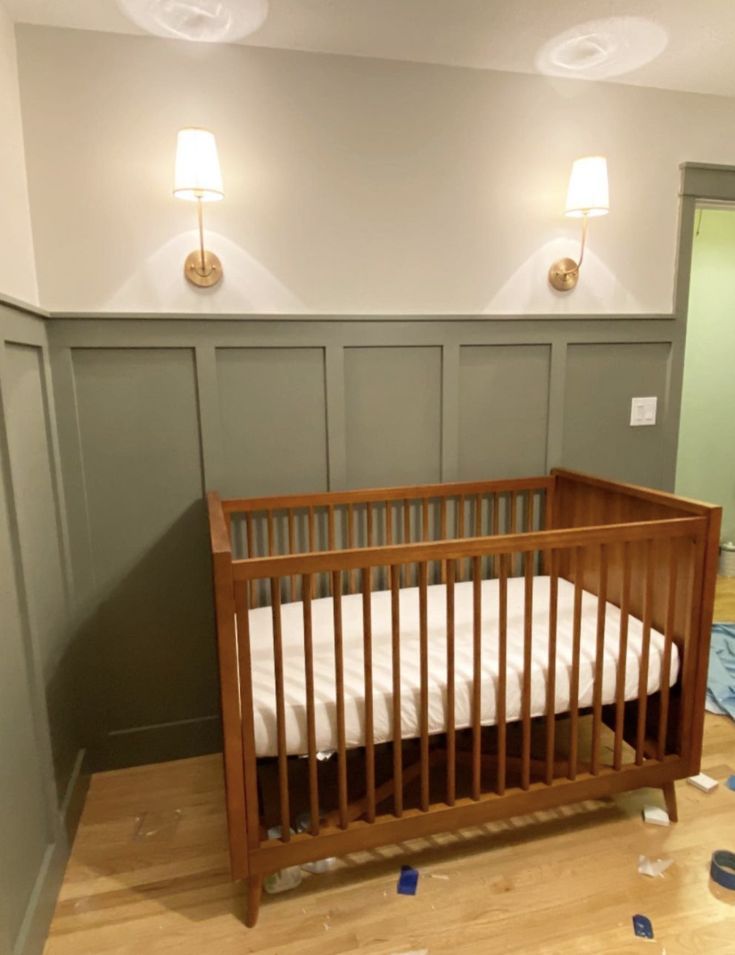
(408, 880)
(731, 783)
(642, 926)
(722, 868)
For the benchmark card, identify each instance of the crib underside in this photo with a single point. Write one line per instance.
(567, 778)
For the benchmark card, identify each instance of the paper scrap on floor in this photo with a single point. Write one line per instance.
(653, 868)
(721, 672)
(655, 816)
(704, 782)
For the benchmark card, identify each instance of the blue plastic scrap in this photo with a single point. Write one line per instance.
(642, 926)
(408, 880)
(731, 783)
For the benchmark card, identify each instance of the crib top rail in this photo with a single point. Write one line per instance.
(256, 568)
(415, 492)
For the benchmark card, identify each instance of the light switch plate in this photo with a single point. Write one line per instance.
(643, 411)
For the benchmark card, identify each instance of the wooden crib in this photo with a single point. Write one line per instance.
(398, 662)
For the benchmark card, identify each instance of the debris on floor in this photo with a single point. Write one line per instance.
(439, 875)
(704, 782)
(653, 867)
(157, 825)
(408, 880)
(642, 926)
(731, 783)
(655, 816)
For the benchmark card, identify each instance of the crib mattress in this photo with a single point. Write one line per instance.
(264, 696)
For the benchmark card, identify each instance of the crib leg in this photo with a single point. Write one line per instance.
(670, 798)
(255, 892)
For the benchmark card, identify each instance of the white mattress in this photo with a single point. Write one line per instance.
(261, 635)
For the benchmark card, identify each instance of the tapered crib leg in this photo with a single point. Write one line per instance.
(255, 892)
(670, 798)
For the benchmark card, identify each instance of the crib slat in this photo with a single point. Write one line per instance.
(666, 656)
(406, 538)
(496, 531)
(622, 658)
(330, 543)
(502, 670)
(254, 602)
(312, 545)
(280, 709)
(271, 533)
(451, 731)
(645, 654)
(574, 681)
(551, 669)
(443, 533)
(424, 651)
(291, 550)
(310, 713)
(512, 528)
(397, 728)
(351, 541)
(527, 656)
(339, 675)
(367, 630)
(461, 533)
(476, 678)
(599, 661)
(369, 527)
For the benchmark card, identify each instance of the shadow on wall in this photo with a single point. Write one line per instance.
(146, 656)
(247, 285)
(598, 286)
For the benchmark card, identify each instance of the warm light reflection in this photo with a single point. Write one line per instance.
(600, 49)
(203, 21)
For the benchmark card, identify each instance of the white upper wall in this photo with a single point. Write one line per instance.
(17, 267)
(351, 185)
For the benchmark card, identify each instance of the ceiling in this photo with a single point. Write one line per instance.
(669, 44)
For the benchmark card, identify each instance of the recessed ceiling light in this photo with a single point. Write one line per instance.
(203, 21)
(600, 49)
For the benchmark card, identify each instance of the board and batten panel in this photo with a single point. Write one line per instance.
(149, 648)
(503, 410)
(28, 429)
(274, 420)
(393, 397)
(25, 832)
(601, 379)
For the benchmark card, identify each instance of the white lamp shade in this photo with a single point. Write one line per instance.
(197, 174)
(588, 189)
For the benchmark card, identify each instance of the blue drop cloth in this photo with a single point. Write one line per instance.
(721, 673)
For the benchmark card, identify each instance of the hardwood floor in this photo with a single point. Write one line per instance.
(149, 876)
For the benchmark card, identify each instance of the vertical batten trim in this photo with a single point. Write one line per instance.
(555, 409)
(334, 403)
(210, 421)
(450, 413)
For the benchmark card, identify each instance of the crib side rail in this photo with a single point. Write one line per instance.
(649, 740)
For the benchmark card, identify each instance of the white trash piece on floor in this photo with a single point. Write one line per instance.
(285, 879)
(655, 816)
(653, 867)
(303, 824)
(704, 782)
(414, 951)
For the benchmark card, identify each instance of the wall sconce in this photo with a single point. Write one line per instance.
(587, 198)
(198, 179)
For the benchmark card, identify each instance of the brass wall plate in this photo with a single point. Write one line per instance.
(564, 275)
(206, 277)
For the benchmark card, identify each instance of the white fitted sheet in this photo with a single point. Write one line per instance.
(261, 639)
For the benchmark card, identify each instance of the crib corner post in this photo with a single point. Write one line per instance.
(669, 791)
(254, 895)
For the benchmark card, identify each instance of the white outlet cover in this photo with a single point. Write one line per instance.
(643, 411)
